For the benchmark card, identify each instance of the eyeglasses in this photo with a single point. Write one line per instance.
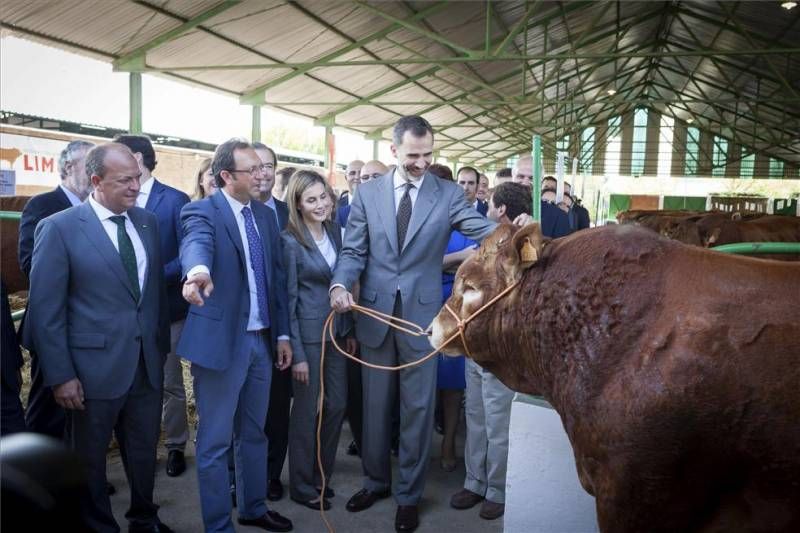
(367, 177)
(253, 171)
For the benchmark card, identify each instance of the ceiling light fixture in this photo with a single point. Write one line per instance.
(689, 120)
(788, 5)
(611, 92)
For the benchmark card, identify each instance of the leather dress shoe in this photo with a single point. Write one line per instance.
(407, 518)
(328, 492)
(313, 504)
(274, 490)
(492, 510)
(176, 463)
(465, 499)
(158, 527)
(270, 521)
(364, 499)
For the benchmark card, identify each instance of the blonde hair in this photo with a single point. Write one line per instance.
(300, 182)
(199, 191)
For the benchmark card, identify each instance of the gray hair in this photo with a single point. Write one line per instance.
(417, 125)
(68, 155)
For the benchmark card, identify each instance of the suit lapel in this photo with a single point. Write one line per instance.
(315, 254)
(148, 241)
(96, 234)
(155, 196)
(386, 209)
(426, 199)
(221, 203)
(63, 199)
(260, 217)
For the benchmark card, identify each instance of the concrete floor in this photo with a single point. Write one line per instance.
(180, 504)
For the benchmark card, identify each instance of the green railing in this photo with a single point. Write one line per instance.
(748, 248)
(10, 215)
(13, 215)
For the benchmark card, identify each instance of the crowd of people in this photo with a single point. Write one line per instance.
(129, 276)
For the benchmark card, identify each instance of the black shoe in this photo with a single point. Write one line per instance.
(271, 521)
(352, 448)
(407, 518)
(233, 494)
(154, 528)
(313, 504)
(110, 489)
(364, 499)
(328, 492)
(274, 490)
(176, 463)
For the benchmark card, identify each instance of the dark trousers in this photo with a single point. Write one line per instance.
(136, 420)
(277, 425)
(13, 417)
(43, 414)
(355, 408)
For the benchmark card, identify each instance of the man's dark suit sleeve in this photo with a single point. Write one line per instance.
(32, 213)
(163, 299)
(172, 270)
(282, 294)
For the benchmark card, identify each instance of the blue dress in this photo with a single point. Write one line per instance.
(450, 373)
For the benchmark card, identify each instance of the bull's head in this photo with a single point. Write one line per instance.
(499, 263)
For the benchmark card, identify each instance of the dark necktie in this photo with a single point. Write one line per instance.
(404, 216)
(127, 254)
(257, 264)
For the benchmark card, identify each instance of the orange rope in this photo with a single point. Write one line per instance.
(391, 321)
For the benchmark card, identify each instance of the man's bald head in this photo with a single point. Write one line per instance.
(373, 169)
(523, 171)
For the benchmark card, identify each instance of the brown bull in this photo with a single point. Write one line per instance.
(675, 370)
(770, 228)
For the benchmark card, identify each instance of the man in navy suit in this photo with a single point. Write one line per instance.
(166, 203)
(555, 222)
(98, 322)
(467, 178)
(44, 415)
(235, 324)
(280, 392)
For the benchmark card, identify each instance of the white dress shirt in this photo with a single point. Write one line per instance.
(254, 322)
(71, 196)
(105, 215)
(326, 248)
(144, 192)
(271, 204)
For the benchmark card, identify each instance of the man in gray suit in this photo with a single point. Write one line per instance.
(99, 325)
(395, 240)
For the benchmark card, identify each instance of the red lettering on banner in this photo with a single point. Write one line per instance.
(26, 163)
(47, 164)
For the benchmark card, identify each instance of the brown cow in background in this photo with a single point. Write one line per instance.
(13, 277)
(675, 370)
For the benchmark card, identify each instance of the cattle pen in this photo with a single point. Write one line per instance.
(681, 117)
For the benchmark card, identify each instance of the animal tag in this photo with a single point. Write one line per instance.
(528, 253)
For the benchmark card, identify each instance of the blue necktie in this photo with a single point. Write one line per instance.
(257, 264)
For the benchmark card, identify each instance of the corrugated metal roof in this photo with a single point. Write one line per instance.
(395, 58)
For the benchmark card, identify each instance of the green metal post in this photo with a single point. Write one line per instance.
(256, 129)
(375, 145)
(10, 215)
(329, 163)
(747, 248)
(536, 155)
(135, 102)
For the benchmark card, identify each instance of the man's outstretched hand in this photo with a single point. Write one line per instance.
(196, 287)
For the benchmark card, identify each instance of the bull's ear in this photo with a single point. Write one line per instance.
(528, 243)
